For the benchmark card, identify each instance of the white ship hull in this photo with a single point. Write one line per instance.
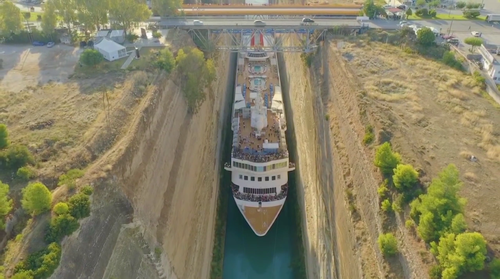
(259, 163)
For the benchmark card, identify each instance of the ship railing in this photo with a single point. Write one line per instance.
(258, 157)
(227, 165)
(260, 198)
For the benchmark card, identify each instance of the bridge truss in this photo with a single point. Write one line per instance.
(302, 39)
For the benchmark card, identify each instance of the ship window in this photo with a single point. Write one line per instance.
(267, 178)
(279, 176)
(241, 176)
(274, 177)
(252, 178)
(259, 179)
(246, 177)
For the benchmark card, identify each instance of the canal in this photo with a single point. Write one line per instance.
(279, 254)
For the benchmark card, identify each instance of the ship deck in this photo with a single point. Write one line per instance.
(261, 219)
(271, 132)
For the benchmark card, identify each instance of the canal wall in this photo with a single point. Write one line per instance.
(326, 221)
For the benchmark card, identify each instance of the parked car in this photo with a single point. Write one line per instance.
(307, 20)
(476, 34)
(197, 22)
(50, 44)
(37, 43)
(453, 41)
(259, 23)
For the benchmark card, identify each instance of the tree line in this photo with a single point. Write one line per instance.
(90, 14)
(438, 214)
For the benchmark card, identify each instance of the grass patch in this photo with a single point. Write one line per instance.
(369, 136)
(147, 59)
(446, 17)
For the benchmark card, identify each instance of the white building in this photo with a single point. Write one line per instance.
(110, 50)
(490, 63)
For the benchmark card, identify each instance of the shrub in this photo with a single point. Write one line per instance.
(25, 173)
(4, 136)
(435, 210)
(131, 37)
(41, 264)
(70, 177)
(385, 159)
(422, 12)
(79, 206)
(91, 57)
(426, 37)
(17, 156)
(5, 203)
(388, 244)
(479, 79)
(36, 198)
(156, 34)
(386, 205)
(383, 190)
(87, 190)
(369, 136)
(461, 5)
(397, 205)
(166, 60)
(60, 227)
(409, 224)
(494, 268)
(450, 60)
(61, 208)
(435, 272)
(23, 275)
(471, 14)
(432, 13)
(405, 177)
(458, 254)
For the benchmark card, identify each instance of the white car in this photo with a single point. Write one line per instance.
(197, 22)
(259, 23)
(475, 34)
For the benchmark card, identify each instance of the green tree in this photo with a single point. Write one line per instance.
(70, 177)
(23, 275)
(409, 12)
(405, 177)
(425, 36)
(435, 210)
(61, 208)
(166, 61)
(10, 18)
(473, 42)
(458, 254)
(385, 159)
(61, 226)
(87, 190)
(197, 74)
(127, 12)
(91, 57)
(458, 224)
(388, 244)
(79, 206)
(66, 10)
(25, 173)
(165, 8)
(421, 3)
(4, 136)
(494, 268)
(18, 156)
(36, 198)
(93, 13)
(386, 205)
(5, 203)
(49, 18)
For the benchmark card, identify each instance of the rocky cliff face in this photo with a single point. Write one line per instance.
(154, 203)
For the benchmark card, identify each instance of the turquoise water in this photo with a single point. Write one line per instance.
(257, 69)
(257, 81)
(248, 256)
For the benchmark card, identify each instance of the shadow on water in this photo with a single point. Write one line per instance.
(274, 256)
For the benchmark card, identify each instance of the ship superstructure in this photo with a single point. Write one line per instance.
(259, 160)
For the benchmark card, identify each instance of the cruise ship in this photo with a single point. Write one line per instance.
(259, 160)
